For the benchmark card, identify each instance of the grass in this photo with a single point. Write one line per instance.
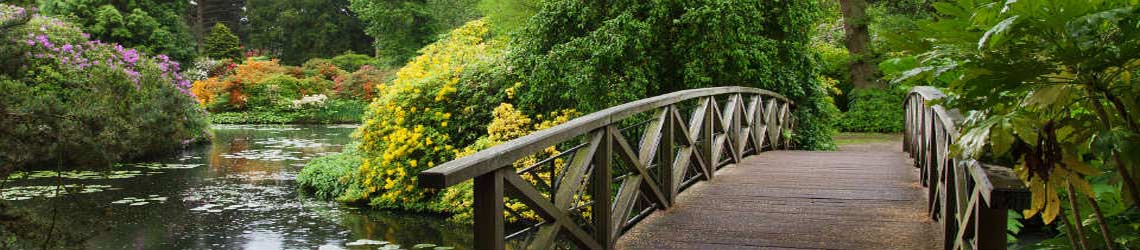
(850, 138)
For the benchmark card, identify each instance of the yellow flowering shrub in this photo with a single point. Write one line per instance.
(434, 111)
(409, 126)
(508, 123)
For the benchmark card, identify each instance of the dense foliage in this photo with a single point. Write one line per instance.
(222, 44)
(1054, 88)
(401, 27)
(264, 91)
(298, 30)
(151, 26)
(88, 103)
(593, 55)
(874, 110)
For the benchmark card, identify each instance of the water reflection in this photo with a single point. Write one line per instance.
(236, 193)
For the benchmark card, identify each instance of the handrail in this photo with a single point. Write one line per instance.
(724, 125)
(482, 162)
(969, 198)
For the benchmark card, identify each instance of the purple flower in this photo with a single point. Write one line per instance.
(131, 56)
(43, 39)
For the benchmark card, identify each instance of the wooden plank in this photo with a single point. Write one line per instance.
(870, 199)
(626, 197)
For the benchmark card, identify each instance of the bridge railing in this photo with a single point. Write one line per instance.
(597, 183)
(969, 198)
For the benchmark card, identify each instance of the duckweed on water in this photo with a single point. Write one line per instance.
(29, 192)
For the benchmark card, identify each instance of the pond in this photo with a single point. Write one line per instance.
(238, 192)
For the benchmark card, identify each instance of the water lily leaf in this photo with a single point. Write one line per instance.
(424, 245)
(139, 203)
(390, 247)
(444, 248)
(362, 242)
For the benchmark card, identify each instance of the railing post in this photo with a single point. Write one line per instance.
(666, 154)
(488, 215)
(707, 133)
(601, 210)
(990, 227)
(735, 127)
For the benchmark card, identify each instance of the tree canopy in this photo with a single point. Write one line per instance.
(151, 26)
(298, 30)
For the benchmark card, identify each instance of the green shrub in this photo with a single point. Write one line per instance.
(352, 62)
(874, 110)
(328, 177)
(55, 99)
(273, 93)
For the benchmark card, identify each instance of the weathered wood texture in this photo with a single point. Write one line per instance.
(861, 197)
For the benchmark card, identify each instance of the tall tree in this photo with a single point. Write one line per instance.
(206, 13)
(221, 43)
(401, 27)
(152, 26)
(296, 30)
(858, 42)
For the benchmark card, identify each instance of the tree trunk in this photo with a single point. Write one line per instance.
(858, 41)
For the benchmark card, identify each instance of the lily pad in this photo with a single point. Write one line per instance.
(362, 242)
(390, 247)
(77, 175)
(424, 245)
(158, 166)
(49, 191)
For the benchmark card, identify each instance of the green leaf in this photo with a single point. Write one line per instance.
(1047, 96)
(1001, 138)
(996, 34)
(1025, 128)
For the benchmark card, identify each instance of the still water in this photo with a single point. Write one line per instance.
(238, 192)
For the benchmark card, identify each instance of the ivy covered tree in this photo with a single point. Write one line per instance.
(402, 27)
(297, 30)
(221, 43)
(593, 55)
(151, 26)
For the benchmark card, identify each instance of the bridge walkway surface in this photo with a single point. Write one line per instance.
(863, 196)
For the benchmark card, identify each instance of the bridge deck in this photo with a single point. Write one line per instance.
(864, 196)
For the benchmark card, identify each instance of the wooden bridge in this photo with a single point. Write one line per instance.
(713, 169)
